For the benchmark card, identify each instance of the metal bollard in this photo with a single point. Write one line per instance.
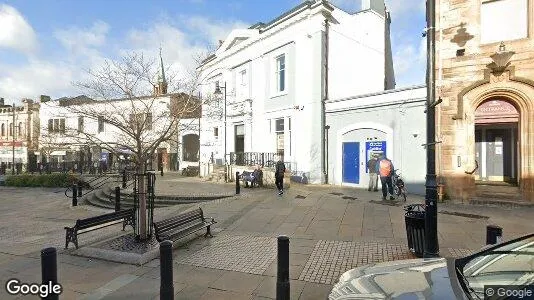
(161, 171)
(80, 191)
(74, 195)
(49, 271)
(166, 291)
(117, 198)
(237, 186)
(282, 278)
(124, 179)
(493, 234)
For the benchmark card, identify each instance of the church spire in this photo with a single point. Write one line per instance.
(161, 88)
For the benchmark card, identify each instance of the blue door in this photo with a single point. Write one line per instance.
(351, 162)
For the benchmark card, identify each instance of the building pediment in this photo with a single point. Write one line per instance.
(236, 37)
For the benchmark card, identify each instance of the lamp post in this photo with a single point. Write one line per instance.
(13, 138)
(431, 247)
(218, 92)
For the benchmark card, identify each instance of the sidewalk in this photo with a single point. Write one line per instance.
(331, 230)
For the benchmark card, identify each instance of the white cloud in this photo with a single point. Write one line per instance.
(402, 8)
(83, 40)
(16, 33)
(87, 48)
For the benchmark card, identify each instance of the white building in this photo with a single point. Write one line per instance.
(77, 130)
(19, 127)
(391, 122)
(277, 77)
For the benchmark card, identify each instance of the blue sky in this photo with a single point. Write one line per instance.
(46, 45)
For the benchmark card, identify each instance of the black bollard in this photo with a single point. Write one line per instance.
(80, 192)
(282, 278)
(493, 234)
(74, 195)
(166, 291)
(117, 198)
(124, 179)
(161, 171)
(237, 186)
(49, 271)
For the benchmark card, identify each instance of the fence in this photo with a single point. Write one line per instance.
(64, 167)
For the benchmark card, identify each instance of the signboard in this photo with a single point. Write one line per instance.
(280, 141)
(496, 111)
(377, 147)
(10, 144)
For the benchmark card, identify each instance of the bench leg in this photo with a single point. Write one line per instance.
(208, 232)
(71, 236)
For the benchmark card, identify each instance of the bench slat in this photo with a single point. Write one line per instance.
(181, 225)
(178, 222)
(90, 222)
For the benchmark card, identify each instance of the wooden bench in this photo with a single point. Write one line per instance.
(182, 225)
(126, 217)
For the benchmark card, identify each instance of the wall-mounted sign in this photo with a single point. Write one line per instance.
(496, 111)
(375, 147)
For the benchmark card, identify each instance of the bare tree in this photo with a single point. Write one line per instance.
(125, 104)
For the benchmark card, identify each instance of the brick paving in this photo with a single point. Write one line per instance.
(330, 259)
(247, 254)
(331, 230)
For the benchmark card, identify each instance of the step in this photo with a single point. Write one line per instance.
(501, 202)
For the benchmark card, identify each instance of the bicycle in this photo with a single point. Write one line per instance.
(399, 188)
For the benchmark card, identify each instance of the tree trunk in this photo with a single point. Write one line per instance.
(141, 222)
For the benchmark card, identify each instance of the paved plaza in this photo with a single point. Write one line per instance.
(331, 230)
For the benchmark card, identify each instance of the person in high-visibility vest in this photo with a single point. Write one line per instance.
(385, 170)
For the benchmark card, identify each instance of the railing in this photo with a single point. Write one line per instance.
(99, 181)
(252, 158)
(82, 167)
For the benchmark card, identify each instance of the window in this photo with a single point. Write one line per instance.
(281, 73)
(279, 129)
(148, 121)
(56, 125)
(289, 128)
(19, 129)
(503, 20)
(11, 129)
(80, 124)
(216, 132)
(3, 129)
(100, 124)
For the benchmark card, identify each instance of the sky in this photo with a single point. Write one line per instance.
(47, 45)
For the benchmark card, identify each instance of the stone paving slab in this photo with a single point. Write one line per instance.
(247, 254)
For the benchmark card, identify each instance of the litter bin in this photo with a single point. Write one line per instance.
(415, 228)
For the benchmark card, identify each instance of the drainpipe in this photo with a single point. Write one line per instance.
(323, 107)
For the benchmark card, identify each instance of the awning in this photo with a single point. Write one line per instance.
(58, 153)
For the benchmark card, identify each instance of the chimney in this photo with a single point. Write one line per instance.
(2, 102)
(366, 4)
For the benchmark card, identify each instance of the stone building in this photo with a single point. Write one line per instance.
(484, 75)
(19, 125)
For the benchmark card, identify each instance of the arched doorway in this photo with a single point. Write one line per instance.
(497, 141)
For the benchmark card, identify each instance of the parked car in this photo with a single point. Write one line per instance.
(509, 263)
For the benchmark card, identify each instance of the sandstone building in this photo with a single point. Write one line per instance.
(485, 77)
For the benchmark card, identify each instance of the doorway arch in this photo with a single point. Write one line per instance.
(497, 141)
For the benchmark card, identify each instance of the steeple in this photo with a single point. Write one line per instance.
(161, 88)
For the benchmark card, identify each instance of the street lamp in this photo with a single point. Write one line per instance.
(219, 93)
(431, 247)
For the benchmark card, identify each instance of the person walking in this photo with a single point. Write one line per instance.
(279, 176)
(385, 169)
(373, 176)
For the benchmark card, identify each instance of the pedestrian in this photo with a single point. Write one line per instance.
(385, 169)
(279, 175)
(373, 176)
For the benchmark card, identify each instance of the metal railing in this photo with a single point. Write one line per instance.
(263, 159)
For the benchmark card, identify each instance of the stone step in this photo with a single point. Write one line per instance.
(501, 202)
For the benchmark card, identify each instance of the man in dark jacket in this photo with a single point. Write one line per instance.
(373, 176)
(279, 175)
